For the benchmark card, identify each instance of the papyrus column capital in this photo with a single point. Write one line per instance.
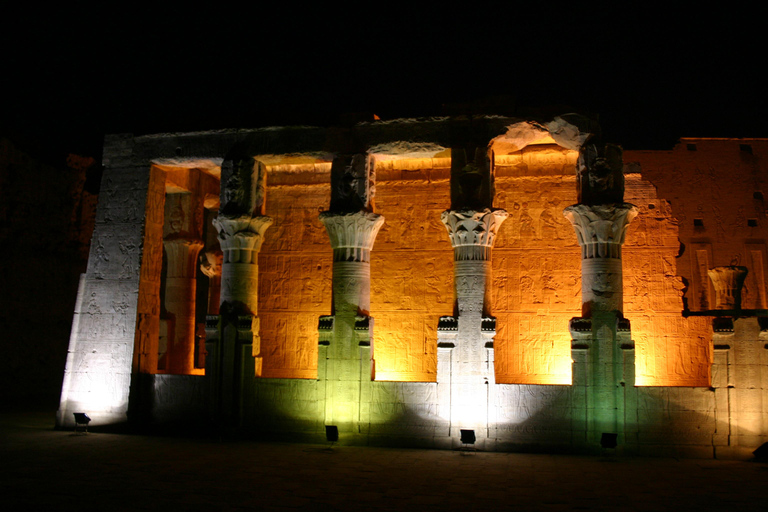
(182, 256)
(727, 282)
(352, 234)
(601, 228)
(241, 236)
(472, 232)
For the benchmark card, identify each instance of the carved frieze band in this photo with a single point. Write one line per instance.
(472, 233)
(241, 236)
(600, 228)
(352, 234)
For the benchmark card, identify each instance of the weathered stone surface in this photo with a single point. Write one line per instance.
(392, 306)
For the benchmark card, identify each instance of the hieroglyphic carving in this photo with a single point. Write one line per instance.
(101, 256)
(536, 262)
(411, 280)
(294, 281)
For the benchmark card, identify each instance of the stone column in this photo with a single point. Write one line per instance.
(240, 238)
(232, 337)
(600, 230)
(348, 354)
(472, 235)
(180, 293)
(601, 337)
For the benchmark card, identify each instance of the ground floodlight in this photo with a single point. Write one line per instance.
(609, 440)
(468, 436)
(331, 433)
(762, 452)
(81, 420)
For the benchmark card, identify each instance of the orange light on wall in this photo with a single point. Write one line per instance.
(294, 279)
(670, 350)
(411, 274)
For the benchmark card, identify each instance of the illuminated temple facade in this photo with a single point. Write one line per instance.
(410, 279)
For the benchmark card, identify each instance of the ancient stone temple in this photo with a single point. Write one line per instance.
(413, 280)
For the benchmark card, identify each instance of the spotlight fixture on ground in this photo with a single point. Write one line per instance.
(468, 437)
(81, 420)
(762, 452)
(609, 440)
(331, 433)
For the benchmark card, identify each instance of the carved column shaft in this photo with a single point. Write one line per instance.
(472, 235)
(180, 294)
(601, 230)
(464, 353)
(352, 236)
(241, 238)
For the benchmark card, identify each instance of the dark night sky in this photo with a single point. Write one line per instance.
(652, 75)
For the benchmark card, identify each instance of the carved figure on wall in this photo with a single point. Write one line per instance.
(349, 181)
(471, 186)
(234, 196)
(176, 219)
(132, 201)
(102, 258)
(548, 225)
(526, 223)
(600, 174)
(433, 283)
(719, 224)
(93, 305)
(121, 319)
(127, 248)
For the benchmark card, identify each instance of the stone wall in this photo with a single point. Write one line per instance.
(362, 324)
